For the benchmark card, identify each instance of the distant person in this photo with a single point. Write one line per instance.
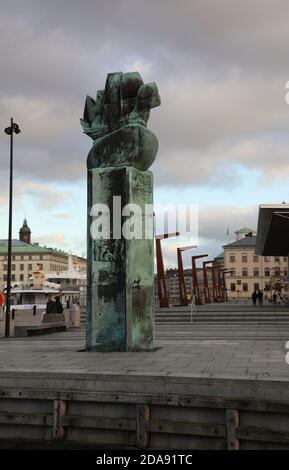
(274, 298)
(50, 305)
(58, 304)
(254, 297)
(260, 297)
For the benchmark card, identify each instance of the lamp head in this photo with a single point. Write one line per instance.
(16, 128)
(8, 130)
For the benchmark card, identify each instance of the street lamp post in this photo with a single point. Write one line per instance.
(14, 128)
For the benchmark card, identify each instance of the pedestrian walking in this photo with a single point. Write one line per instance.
(254, 297)
(260, 297)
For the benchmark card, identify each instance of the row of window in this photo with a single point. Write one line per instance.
(244, 287)
(57, 267)
(53, 267)
(25, 257)
(277, 259)
(13, 278)
(256, 272)
(21, 267)
(68, 282)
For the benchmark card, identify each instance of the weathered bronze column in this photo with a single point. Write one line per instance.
(120, 291)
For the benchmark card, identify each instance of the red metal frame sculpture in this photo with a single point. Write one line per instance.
(214, 283)
(217, 282)
(161, 279)
(205, 281)
(220, 283)
(219, 289)
(213, 269)
(195, 282)
(182, 284)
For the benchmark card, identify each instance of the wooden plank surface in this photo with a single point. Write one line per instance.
(196, 429)
(142, 417)
(232, 420)
(26, 418)
(262, 434)
(189, 401)
(59, 411)
(100, 422)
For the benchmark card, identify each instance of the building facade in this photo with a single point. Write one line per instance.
(172, 284)
(30, 257)
(249, 272)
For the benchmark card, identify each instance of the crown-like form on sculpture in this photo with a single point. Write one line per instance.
(125, 100)
(117, 120)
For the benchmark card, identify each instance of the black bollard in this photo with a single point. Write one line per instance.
(34, 309)
(13, 313)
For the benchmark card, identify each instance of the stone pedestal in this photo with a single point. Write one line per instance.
(120, 297)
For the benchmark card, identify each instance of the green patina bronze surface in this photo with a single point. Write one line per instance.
(116, 120)
(120, 301)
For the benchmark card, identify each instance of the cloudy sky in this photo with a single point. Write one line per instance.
(223, 126)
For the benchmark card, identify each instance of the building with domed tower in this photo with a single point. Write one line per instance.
(28, 257)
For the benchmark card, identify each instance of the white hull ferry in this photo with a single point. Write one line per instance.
(29, 302)
(25, 297)
(69, 285)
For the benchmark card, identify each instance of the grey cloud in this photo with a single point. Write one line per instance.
(229, 32)
(44, 196)
(214, 221)
(221, 68)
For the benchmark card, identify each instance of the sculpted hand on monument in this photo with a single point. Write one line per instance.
(117, 120)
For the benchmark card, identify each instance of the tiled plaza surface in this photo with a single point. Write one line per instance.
(235, 350)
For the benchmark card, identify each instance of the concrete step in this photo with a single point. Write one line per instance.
(82, 317)
(223, 315)
(224, 323)
(218, 322)
(232, 310)
(220, 317)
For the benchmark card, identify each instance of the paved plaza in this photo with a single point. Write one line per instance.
(229, 349)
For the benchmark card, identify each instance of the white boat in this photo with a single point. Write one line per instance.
(70, 285)
(25, 297)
